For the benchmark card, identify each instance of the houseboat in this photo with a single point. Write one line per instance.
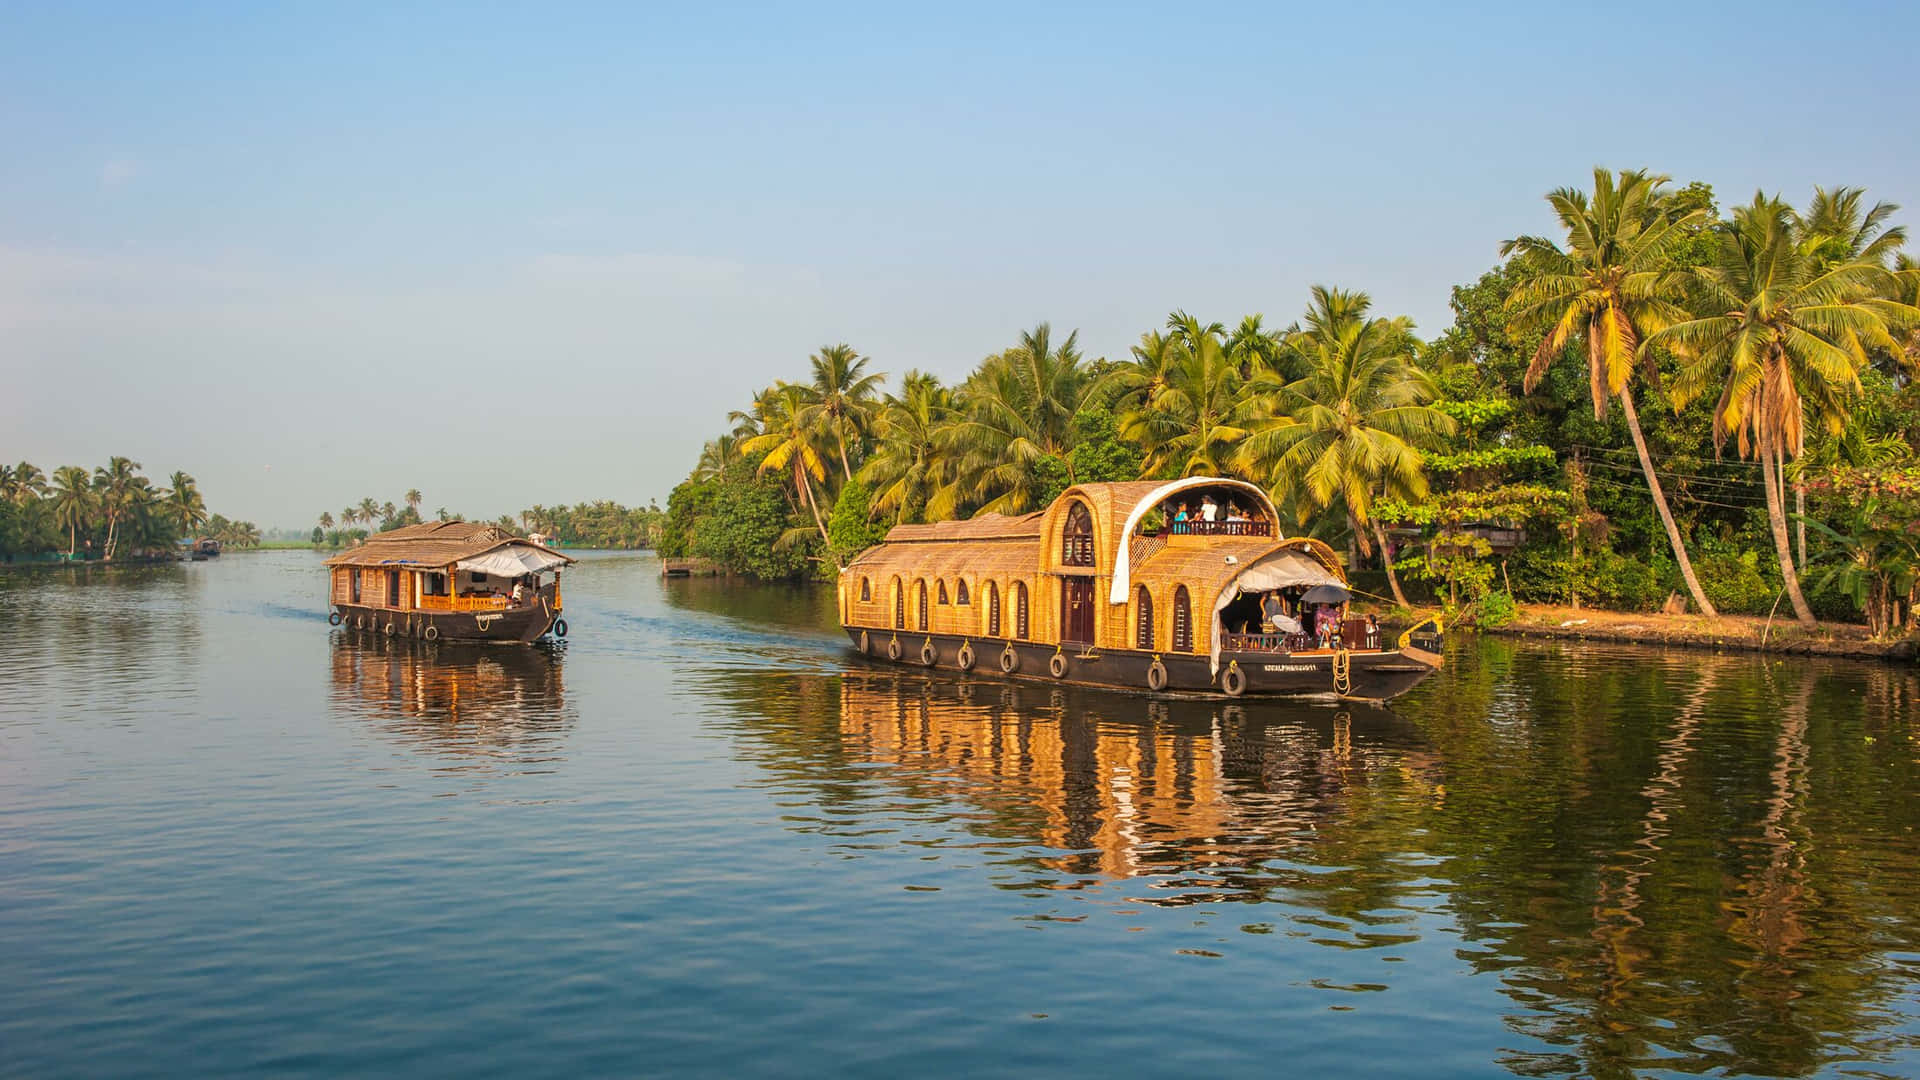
(1185, 587)
(449, 581)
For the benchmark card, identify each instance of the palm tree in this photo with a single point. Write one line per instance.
(793, 446)
(1352, 425)
(1182, 398)
(115, 482)
(413, 499)
(388, 512)
(29, 483)
(1253, 348)
(369, 510)
(1015, 409)
(841, 396)
(1780, 331)
(326, 520)
(1613, 286)
(716, 455)
(72, 502)
(186, 508)
(349, 515)
(906, 466)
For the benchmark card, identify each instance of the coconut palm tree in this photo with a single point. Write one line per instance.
(326, 521)
(186, 508)
(1613, 286)
(29, 484)
(73, 502)
(1185, 405)
(906, 467)
(1253, 348)
(413, 500)
(794, 447)
(842, 396)
(369, 511)
(114, 483)
(1015, 409)
(716, 455)
(1352, 426)
(1781, 331)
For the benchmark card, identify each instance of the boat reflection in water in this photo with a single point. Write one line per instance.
(1124, 787)
(470, 701)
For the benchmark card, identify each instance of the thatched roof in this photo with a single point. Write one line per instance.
(433, 544)
(984, 527)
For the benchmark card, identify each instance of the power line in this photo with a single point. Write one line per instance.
(1614, 485)
(1681, 479)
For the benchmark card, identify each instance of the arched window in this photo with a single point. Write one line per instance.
(943, 591)
(1020, 610)
(993, 609)
(866, 589)
(899, 606)
(1182, 621)
(960, 592)
(1076, 543)
(922, 605)
(1143, 607)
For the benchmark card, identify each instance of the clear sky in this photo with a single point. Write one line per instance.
(534, 253)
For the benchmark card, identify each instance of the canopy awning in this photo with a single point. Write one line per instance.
(512, 561)
(1280, 570)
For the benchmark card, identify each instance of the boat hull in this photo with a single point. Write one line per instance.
(1370, 676)
(522, 625)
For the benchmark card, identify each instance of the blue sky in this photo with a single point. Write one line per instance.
(308, 252)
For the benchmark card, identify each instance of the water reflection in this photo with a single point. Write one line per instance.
(463, 701)
(1667, 861)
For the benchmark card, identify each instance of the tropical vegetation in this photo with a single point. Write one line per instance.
(1671, 407)
(112, 513)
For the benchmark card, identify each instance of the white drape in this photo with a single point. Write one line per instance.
(1280, 570)
(511, 562)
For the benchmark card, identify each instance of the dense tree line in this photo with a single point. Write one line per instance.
(600, 524)
(1674, 400)
(113, 512)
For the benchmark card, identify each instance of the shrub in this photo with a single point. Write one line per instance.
(1736, 584)
(1495, 609)
(852, 530)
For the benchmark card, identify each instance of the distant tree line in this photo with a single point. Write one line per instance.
(1670, 399)
(600, 524)
(112, 513)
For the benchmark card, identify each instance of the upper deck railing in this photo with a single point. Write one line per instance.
(1217, 528)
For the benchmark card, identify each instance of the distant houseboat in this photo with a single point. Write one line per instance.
(449, 580)
(1183, 587)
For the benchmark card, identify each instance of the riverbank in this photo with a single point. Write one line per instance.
(1721, 632)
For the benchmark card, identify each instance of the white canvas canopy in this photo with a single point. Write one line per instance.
(512, 561)
(1280, 570)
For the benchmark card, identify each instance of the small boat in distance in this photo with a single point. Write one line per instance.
(449, 581)
(1183, 587)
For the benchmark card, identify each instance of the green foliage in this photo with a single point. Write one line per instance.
(1099, 454)
(1739, 584)
(1495, 609)
(745, 530)
(687, 504)
(851, 528)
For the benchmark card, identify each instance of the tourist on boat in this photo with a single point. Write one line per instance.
(1326, 624)
(1180, 518)
(1273, 609)
(1209, 510)
(519, 591)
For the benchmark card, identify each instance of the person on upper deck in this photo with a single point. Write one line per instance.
(1209, 510)
(1180, 519)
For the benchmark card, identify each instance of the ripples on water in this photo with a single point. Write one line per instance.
(700, 835)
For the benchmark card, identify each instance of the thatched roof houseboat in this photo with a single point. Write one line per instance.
(449, 580)
(1182, 586)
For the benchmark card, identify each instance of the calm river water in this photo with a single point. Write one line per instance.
(702, 837)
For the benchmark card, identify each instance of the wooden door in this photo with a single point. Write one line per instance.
(1076, 610)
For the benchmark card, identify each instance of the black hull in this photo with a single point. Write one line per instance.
(1371, 676)
(518, 626)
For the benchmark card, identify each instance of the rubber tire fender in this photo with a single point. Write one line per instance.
(866, 644)
(431, 633)
(392, 629)
(965, 658)
(1009, 660)
(1233, 680)
(893, 649)
(929, 656)
(358, 623)
(1058, 665)
(334, 618)
(559, 628)
(1156, 675)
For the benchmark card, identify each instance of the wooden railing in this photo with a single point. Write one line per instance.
(1218, 528)
(1354, 635)
(463, 603)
